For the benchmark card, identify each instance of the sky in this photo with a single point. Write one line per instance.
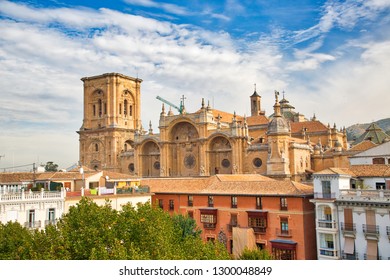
(329, 58)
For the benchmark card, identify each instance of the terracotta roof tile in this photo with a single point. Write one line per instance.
(223, 185)
(312, 126)
(257, 120)
(371, 170)
(363, 146)
(16, 177)
(339, 171)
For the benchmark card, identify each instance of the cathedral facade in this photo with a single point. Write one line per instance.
(284, 145)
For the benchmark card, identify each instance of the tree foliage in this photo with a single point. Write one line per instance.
(51, 167)
(90, 231)
(255, 254)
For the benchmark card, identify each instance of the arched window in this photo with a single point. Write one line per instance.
(131, 110)
(96, 147)
(125, 107)
(94, 110)
(100, 107)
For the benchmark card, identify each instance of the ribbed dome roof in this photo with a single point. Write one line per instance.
(278, 125)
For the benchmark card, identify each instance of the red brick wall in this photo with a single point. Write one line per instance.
(300, 214)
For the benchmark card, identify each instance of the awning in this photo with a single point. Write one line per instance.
(372, 249)
(257, 214)
(283, 244)
(349, 246)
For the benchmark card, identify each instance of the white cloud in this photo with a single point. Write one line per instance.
(45, 52)
(167, 7)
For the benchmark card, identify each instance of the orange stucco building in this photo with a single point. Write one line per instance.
(273, 215)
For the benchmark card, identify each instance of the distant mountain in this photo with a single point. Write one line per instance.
(354, 131)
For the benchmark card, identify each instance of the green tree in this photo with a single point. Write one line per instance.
(90, 231)
(255, 254)
(87, 230)
(15, 242)
(51, 167)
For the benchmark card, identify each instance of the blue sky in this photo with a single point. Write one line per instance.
(331, 58)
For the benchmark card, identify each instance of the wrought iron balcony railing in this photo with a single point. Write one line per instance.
(348, 227)
(370, 229)
(32, 225)
(326, 224)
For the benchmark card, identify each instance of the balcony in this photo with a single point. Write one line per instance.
(209, 225)
(371, 257)
(320, 195)
(283, 232)
(260, 230)
(329, 252)
(345, 256)
(348, 229)
(326, 224)
(32, 225)
(231, 226)
(371, 230)
(50, 222)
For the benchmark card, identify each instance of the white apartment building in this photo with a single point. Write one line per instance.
(33, 210)
(353, 208)
(38, 199)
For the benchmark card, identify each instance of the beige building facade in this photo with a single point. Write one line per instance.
(284, 145)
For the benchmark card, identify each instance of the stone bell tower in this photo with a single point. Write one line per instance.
(112, 110)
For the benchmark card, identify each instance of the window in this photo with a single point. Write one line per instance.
(234, 201)
(329, 243)
(233, 220)
(380, 186)
(94, 110)
(105, 108)
(378, 161)
(191, 214)
(283, 203)
(258, 221)
(171, 204)
(31, 218)
(284, 225)
(209, 218)
(131, 110)
(257, 161)
(96, 147)
(100, 107)
(125, 107)
(326, 189)
(190, 200)
(52, 215)
(210, 201)
(120, 109)
(259, 204)
(161, 203)
(283, 253)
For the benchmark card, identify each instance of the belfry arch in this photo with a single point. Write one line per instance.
(220, 156)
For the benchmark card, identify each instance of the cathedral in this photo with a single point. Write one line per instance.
(284, 145)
